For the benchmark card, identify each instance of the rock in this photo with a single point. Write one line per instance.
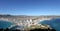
(41, 27)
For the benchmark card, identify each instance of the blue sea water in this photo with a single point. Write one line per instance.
(5, 24)
(54, 23)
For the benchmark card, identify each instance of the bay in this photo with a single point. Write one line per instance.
(54, 23)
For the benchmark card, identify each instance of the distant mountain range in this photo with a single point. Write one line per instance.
(24, 16)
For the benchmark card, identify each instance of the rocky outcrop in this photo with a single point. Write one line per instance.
(39, 28)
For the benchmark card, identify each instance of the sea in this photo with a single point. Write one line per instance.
(54, 23)
(5, 24)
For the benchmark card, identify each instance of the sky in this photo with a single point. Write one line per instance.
(30, 7)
